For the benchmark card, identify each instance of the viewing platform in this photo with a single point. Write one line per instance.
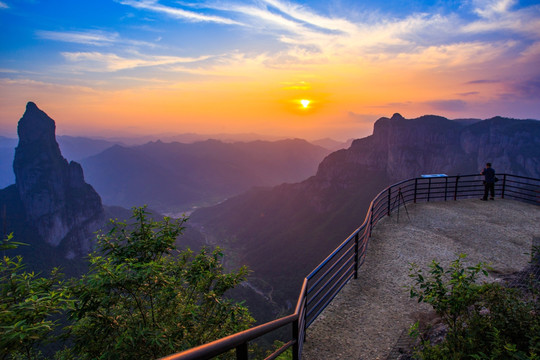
(367, 319)
(369, 314)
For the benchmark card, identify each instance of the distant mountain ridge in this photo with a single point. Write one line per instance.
(72, 147)
(176, 175)
(300, 224)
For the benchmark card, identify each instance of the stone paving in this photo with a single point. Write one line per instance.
(368, 316)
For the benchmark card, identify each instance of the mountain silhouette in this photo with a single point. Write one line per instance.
(50, 206)
(176, 176)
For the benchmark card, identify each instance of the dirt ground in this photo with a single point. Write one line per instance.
(367, 317)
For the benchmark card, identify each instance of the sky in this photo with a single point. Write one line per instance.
(307, 69)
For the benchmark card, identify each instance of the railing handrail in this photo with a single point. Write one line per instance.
(299, 319)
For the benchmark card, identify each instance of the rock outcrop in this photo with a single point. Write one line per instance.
(55, 199)
(401, 149)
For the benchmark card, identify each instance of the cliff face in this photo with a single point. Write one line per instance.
(56, 200)
(402, 149)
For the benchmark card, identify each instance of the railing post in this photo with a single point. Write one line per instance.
(242, 351)
(356, 237)
(455, 188)
(389, 198)
(304, 322)
(296, 345)
(445, 187)
(370, 221)
(504, 186)
(415, 189)
(429, 189)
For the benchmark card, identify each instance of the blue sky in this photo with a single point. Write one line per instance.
(237, 66)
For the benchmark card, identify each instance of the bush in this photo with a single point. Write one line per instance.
(144, 299)
(28, 303)
(484, 321)
(141, 299)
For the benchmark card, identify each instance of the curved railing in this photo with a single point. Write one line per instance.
(327, 279)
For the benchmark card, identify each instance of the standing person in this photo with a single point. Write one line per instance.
(489, 182)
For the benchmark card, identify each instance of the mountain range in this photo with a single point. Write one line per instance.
(283, 232)
(174, 177)
(280, 231)
(73, 148)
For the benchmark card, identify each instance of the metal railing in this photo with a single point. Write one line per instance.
(326, 280)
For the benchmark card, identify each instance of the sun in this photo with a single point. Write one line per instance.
(305, 103)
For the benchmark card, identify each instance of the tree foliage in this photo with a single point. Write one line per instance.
(484, 321)
(27, 305)
(142, 298)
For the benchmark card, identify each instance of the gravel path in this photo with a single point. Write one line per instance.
(369, 314)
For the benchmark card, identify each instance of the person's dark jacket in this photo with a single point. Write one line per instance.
(489, 175)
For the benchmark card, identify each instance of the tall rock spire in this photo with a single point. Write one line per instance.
(55, 197)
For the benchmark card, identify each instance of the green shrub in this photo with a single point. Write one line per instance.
(144, 299)
(484, 321)
(28, 303)
(141, 299)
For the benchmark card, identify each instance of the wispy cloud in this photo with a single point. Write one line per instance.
(178, 13)
(305, 39)
(529, 88)
(491, 8)
(3, 5)
(83, 37)
(110, 62)
(469, 93)
(48, 86)
(309, 37)
(91, 37)
(482, 81)
(9, 71)
(498, 16)
(301, 85)
(303, 14)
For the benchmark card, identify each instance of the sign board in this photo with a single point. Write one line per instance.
(434, 175)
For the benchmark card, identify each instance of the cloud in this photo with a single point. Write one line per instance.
(109, 62)
(84, 37)
(303, 14)
(529, 89)
(3, 5)
(90, 37)
(308, 37)
(177, 13)
(47, 87)
(482, 81)
(393, 105)
(470, 93)
(447, 105)
(301, 85)
(498, 16)
(9, 71)
(491, 8)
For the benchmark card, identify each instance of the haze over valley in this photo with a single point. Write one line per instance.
(283, 205)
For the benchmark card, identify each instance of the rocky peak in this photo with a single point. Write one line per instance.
(36, 126)
(54, 195)
(402, 148)
(397, 117)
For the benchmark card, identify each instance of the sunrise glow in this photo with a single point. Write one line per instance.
(161, 66)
